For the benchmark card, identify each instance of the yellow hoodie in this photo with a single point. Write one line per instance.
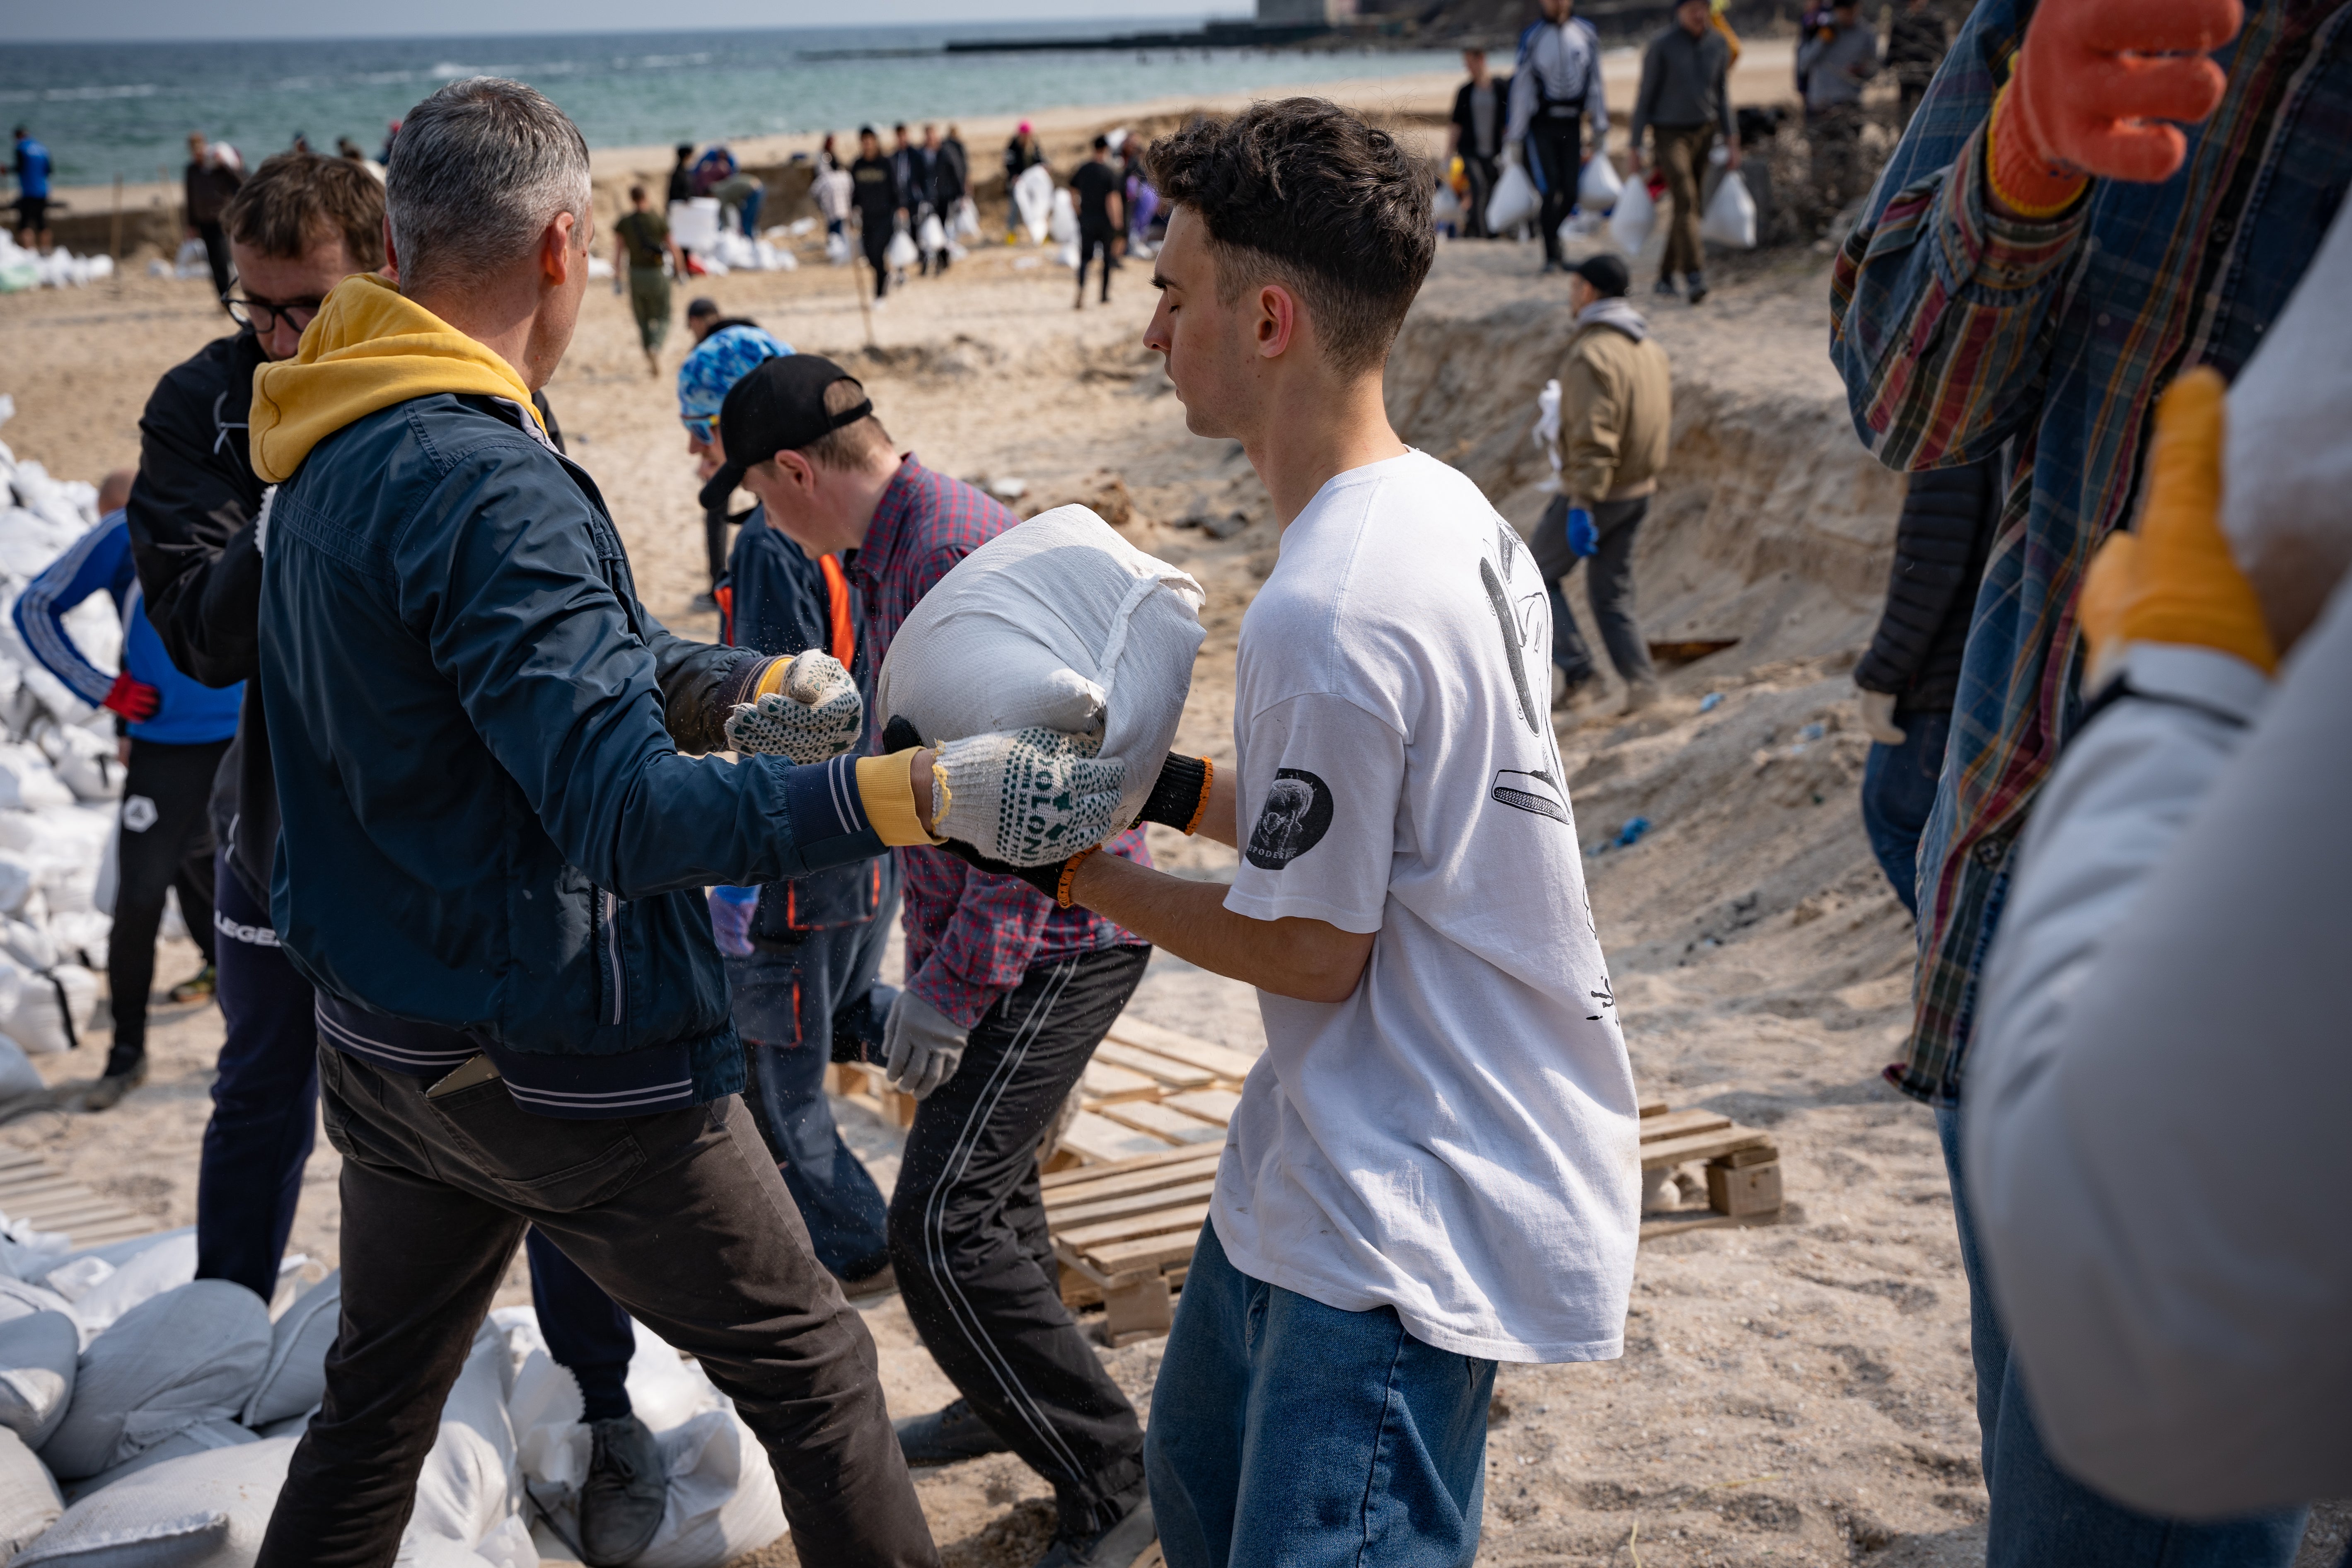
(369, 348)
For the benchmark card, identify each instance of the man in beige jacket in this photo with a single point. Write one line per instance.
(1616, 410)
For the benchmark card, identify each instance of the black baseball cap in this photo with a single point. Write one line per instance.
(778, 406)
(1607, 273)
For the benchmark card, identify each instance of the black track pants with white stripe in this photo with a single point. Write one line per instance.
(968, 1239)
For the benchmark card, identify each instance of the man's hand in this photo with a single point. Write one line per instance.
(2093, 82)
(134, 698)
(806, 711)
(1878, 718)
(2175, 580)
(921, 1046)
(1027, 797)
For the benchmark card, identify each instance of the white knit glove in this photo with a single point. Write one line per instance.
(921, 1046)
(817, 716)
(1878, 718)
(1027, 797)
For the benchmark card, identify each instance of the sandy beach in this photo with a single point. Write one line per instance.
(1793, 1393)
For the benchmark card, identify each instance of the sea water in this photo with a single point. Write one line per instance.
(126, 109)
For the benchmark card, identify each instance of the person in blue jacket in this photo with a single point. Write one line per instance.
(802, 956)
(176, 730)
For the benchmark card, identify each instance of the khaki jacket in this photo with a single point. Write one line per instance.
(1616, 413)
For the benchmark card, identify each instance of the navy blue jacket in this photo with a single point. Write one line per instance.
(487, 823)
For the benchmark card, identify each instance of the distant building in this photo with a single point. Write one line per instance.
(1292, 12)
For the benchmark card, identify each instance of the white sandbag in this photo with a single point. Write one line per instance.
(189, 1355)
(47, 1015)
(967, 219)
(21, 1298)
(694, 225)
(200, 1438)
(666, 1389)
(27, 782)
(1515, 201)
(1066, 255)
(1033, 195)
(38, 1352)
(900, 251)
(509, 1546)
(1445, 207)
(1598, 187)
(836, 249)
(103, 1290)
(16, 881)
(1061, 622)
(204, 1510)
(470, 1483)
(295, 1379)
(1635, 215)
(30, 1503)
(19, 1078)
(932, 235)
(723, 1500)
(1062, 222)
(2287, 467)
(1730, 215)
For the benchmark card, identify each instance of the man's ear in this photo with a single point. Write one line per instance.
(557, 254)
(1278, 323)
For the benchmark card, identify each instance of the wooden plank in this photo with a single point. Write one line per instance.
(1215, 1105)
(1090, 1137)
(1745, 1189)
(1681, 1124)
(87, 1209)
(1704, 1146)
(1230, 1065)
(1201, 1167)
(1150, 1162)
(1127, 1204)
(1654, 1107)
(1091, 1239)
(1108, 1081)
(1110, 1263)
(1174, 1126)
(1166, 1071)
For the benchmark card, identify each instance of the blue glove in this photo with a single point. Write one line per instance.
(730, 919)
(1583, 539)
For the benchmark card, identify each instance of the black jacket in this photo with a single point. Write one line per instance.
(1915, 44)
(1940, 545)
(1468, 121)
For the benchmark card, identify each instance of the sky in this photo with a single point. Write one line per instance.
(99, 21)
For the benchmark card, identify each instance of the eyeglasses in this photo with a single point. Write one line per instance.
(263, 315)
(701, 430)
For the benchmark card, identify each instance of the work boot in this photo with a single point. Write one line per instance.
(197, 987)
(121, 1079)
(946, 1436)
(1666, 284)
(1697, 286)
(621, 1501)
(1117, 1547)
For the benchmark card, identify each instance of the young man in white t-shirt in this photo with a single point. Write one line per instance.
(1436, 1165)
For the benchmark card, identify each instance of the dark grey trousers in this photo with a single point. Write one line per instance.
(1608, 585)
(683, 1220)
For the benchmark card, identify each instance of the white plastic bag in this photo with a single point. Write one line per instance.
(188, 1356)
(1063, 224)
(38, 1021)
(2286, 465)
(900, 251)
(1598, 187)
(1635, 213)
(1066, 255)
(836, 249)
(931, 235)
(694, 225)
(1546, 430)
(1060, 623)
(1445, 207)
(1515, 201)
(1731, 216)
(967, 219)
(1033, 195)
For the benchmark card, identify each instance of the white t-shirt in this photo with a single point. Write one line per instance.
(1458, 1139)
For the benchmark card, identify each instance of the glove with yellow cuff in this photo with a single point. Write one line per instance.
(805, 709)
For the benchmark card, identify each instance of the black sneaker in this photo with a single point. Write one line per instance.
(621, 1501)
(1666, 284)
(108, 1091)
(945, 1437)
(1117, 1547)
(1697, 289)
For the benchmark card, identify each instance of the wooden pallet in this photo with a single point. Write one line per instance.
(1125, 1233)
(33, 1189)
(1743, 1168)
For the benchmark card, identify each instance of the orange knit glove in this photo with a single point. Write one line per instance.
(2175, 580)
(2090, 85)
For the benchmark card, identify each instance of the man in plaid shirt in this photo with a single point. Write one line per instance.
(2041, 256)
(1006, 998)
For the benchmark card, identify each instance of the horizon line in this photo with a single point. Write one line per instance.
(1081, 25)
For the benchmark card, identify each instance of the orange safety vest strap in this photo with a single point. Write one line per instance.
(725, 595)
(836, 593)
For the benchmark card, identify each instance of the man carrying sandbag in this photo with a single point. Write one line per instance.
(1435, 1166)
(1555, 88)
(1684, 100)
(1006, 997)
(491, 859)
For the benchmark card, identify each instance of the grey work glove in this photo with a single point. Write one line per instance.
(816, 716)
(1027, 797)
(1878, 718)
(921, 1046)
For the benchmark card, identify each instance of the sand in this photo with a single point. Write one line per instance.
(1795, 1393)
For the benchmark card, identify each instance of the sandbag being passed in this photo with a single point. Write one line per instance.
(1513, 202)
(1598, 187)
(1060, 624)
(1637, 213)
(1731, 216)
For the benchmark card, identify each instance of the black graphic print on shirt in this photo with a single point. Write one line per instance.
(1296, 816)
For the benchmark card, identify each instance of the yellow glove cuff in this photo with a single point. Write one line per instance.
(884, 789)
(2183, 585)
(772, 678)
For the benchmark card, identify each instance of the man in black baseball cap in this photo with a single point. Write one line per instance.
(1606, 273)
(1007, 996)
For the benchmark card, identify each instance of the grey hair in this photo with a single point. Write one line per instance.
(478, 171)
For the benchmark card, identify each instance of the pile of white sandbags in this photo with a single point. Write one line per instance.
(60, 784)
(61, 268)
(140, 1404)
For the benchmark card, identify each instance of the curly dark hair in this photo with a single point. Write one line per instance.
(1302, 192)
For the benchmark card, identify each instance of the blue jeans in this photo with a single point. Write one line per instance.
(1285, 1432)
(2041, 1515)
(1898, 791)
(792, 1003)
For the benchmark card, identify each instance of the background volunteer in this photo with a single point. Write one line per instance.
(1684, 100)
(641, 244)
(1555, 87)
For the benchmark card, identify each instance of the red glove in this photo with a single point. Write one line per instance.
(134, 699)
(2091, 84)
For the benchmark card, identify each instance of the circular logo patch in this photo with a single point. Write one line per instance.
(1296, 814)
